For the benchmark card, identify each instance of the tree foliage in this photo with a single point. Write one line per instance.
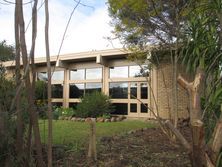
(94, 105)
(147, 21)
(6, 51)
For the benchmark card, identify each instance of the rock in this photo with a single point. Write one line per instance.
(82, 120)
(73, 119)
(118, 119)
(107, 120)
(100, 119)
(78, 119)
(61, 118)
(122, 117)
(88, 120)
(66, 118)
(113, 119)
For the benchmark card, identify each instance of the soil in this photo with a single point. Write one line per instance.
(142, 148)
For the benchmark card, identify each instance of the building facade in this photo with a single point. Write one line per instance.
(132, 93)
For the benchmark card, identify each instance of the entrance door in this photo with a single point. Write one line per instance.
(138, 100)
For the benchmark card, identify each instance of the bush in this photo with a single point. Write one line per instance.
(41, 90)
(61, 111)
(94, 105)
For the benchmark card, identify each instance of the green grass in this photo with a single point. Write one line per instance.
(73, 133)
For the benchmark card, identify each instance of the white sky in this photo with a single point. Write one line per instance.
(87, 31)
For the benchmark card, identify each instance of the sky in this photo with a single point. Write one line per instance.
(87, 31)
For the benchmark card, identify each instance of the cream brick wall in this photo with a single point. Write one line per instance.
(165, 91)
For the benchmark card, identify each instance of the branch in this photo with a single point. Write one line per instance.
(184, 83)
(64, 34)
(179, 136)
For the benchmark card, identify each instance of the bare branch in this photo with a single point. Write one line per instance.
(184, 83)
(179, 136)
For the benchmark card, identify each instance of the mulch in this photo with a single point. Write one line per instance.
(142, 148)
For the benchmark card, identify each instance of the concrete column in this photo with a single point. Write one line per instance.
(66, 89)
(105, 80)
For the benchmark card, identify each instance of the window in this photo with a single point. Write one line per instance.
(118, 72)
(133, 107)
(73, 105)
(42, 76)
(133, 90)
(57, 91)
(137, 71)
(91, 87)
(94, 73)
(144, 108)
(144, 91)
(118, 90)
(76, 90)
(120, 108)
(56, 104)
(58, 75)
(77, 74)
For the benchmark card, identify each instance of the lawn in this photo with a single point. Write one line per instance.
(76, 133)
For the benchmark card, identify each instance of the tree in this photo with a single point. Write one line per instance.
(7, 52)
(197, 37)
(146, 21)
(139, 23)
(202, 54)
(28, 80)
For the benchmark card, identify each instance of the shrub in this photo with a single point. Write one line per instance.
(94, 105)
(40, 90)
(61, 111)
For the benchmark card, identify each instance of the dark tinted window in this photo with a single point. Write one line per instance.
(144, 108)
(92, 87)
(144, 91)
(73, 105)
(133, 107)
(76, 90)
(57, 91)
(118, 90)
(120, 108)
(56, 104)
(133, 90)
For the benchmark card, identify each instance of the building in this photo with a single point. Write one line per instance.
(111, 72)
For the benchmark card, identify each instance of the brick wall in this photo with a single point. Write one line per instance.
(165, 91)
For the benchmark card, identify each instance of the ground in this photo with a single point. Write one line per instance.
(142, 148)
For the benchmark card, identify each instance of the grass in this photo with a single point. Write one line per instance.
(73, 133)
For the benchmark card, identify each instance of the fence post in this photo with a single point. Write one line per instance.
(92, 140)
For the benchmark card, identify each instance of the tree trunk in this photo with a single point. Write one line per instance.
(29, 87)
(194, 88)
(19, 135)
(49, 86)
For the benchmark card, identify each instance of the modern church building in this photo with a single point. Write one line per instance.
(110, 71)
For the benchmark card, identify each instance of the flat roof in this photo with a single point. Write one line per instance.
(75, 56)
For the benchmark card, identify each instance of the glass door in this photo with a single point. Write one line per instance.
(138, 99)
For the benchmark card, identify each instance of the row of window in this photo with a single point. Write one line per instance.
(119, 108)
(117, 90)
(96, 73)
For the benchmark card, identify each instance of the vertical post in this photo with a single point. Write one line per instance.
(92, 140)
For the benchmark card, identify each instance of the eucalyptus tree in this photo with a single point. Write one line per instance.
(194, 27)
(155, 22)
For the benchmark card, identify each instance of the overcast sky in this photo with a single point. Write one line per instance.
(87, 31)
